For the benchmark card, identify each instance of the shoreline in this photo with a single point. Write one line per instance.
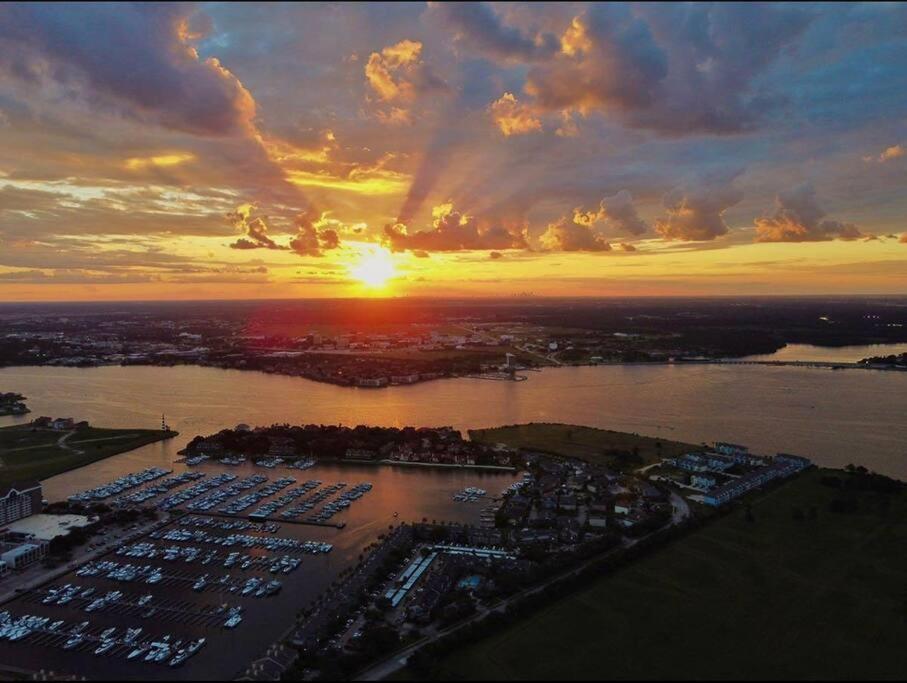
(491, 468)
(86, 458)
(169, 435)
(496, 404)
(808, 364)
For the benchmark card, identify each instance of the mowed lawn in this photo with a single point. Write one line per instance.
(774, 598)
(585, 443)
(26, 455)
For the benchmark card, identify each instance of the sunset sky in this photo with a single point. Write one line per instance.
(189, 151)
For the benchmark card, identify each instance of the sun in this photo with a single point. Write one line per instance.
(375, 267)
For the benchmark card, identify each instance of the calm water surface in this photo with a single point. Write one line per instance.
(846, 354)
(834, 417)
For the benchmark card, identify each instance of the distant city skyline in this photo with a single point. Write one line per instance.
(196, 151)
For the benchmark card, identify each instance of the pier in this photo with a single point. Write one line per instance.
(278, 520)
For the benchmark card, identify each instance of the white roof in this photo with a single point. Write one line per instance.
(48, 527)
(10, 555)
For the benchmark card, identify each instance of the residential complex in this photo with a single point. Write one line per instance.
(728, 471)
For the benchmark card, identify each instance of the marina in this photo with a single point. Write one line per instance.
(213, 575)
(40, 631)
(129, 481)
(192, 582)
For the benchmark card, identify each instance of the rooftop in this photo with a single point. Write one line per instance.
(48, 527)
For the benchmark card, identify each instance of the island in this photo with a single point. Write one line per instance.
(438, 446)
(46, 447)
(12, 403)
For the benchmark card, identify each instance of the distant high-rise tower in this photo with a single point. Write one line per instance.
(163, 423)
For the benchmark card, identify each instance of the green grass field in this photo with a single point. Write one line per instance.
(585, 443)
(774, 598)
(27, 454)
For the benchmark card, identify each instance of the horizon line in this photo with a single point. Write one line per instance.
(442, 298)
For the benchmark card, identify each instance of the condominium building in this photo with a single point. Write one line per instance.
(18, 501)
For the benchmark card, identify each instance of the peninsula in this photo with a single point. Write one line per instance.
(46, 447)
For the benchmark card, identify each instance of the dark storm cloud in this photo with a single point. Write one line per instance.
(678, 69)
(477, 25)
(135, 57)
(312, 237)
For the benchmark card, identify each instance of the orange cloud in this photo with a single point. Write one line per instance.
(888, 154)
(385, 70)
(158, 161)
(798, 218)
(395, 116)
(453, 231)
(575, 40)
(512, 117)
(397, 76)
(568, 235)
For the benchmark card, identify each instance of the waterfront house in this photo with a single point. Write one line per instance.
(567, 503)
(783, 465)
(360, 454)
(623, 504)
(598, 520)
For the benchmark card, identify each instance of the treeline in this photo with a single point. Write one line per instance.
(858, 478)
(899, 360)
(333, 441)
(854, 485)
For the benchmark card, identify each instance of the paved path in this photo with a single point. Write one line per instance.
(61, 442)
